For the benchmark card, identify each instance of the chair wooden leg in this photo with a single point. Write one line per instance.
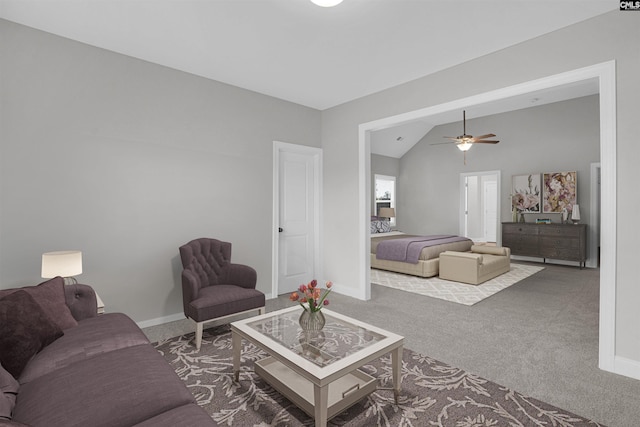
(262, 310)
(199, 327)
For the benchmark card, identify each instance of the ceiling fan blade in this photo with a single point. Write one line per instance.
(489, 135)
(486, 142)
(440, 143)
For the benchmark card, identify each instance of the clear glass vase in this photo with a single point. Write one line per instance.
(312, 320)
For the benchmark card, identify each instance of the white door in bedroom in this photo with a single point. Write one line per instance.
(297, 213)
(480, 205)
(489, 201)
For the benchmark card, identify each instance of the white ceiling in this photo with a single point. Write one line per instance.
(297, 51)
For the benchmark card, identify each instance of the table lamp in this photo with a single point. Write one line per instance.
(65, 264)
(575, 214)
(387, 213)
(62, 263)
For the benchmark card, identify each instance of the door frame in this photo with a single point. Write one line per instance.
(463, 217)
(316, 153)
(594, 216)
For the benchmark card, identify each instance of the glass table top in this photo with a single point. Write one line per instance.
(337, 340)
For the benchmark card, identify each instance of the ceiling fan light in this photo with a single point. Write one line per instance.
(326, 3)
(465, 146)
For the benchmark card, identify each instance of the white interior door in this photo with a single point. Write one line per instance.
(490, 210)
(480, 205)
(298, 219)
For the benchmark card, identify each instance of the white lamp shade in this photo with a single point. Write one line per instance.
(326, 3)
(387, 212)
(575, 213)
(61, 263)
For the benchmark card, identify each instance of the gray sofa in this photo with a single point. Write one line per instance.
(101, 372)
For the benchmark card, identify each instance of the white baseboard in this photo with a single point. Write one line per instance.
(161, 320)
(627, 367)
(346, 291)
(170, 318)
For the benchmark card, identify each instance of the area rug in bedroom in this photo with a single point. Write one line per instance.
(433, 393)
(460, 293)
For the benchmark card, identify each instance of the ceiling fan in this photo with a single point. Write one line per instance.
(464, 141)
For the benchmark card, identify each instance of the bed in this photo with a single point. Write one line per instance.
(426, 259)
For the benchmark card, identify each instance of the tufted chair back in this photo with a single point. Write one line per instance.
(208, 260)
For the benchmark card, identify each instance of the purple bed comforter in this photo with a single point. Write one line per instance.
(408, 249)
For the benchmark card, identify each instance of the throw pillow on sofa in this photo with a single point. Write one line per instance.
(50, 297)
(25, 329)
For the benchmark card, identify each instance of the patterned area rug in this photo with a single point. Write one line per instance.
(433, 393)
(453, 291)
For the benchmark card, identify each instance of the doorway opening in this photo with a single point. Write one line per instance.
(605, 76)
(480, 206)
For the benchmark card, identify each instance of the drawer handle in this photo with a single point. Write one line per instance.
(351, 389)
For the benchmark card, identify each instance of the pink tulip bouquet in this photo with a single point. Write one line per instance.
(311, 297)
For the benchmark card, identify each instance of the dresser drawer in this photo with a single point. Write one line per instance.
(567, 254)
(519, 229)
(553, 230)
(521, 244)
(560, 242)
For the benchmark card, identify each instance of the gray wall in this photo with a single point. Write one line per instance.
(601, 39)
(563, 136)
(127, 160)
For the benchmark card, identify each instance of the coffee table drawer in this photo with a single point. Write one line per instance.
(343, 392)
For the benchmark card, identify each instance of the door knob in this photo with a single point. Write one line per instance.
(280, 230)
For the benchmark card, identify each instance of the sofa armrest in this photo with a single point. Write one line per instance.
(81, 300)
(491, 250)
(243, 275)
(464, 256)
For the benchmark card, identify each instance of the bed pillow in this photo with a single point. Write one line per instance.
(50, 297)
(25, 329)
(380, 226)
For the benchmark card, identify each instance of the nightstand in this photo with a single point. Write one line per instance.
(100, 304)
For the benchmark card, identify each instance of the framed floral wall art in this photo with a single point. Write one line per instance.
(525, 194)
(560, 191)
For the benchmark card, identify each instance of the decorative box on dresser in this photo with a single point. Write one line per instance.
(566, 242)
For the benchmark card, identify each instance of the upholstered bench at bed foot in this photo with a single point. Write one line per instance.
(475, 267)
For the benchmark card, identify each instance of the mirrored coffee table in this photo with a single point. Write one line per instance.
(317, 371)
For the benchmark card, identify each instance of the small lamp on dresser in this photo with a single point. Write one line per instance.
(575, 214)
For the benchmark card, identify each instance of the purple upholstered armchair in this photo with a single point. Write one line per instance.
(212, 287)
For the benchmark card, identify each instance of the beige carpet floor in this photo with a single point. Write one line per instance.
(460, 293)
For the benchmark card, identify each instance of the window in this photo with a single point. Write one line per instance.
(385, 194)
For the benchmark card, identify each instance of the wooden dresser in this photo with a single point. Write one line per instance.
(555, 241)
